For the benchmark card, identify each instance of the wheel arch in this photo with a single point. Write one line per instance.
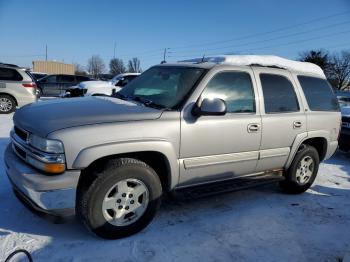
(14, 98)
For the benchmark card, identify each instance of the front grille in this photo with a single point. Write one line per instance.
(21, 134)
(19, 151)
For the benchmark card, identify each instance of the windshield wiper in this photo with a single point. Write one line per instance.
(148, 102)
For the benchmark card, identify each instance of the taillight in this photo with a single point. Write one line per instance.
(29, 85)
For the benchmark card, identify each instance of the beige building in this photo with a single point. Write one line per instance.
(51, 67)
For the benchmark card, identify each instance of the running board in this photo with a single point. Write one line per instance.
(228, 186)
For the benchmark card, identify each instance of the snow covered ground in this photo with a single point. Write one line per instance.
(253, 225)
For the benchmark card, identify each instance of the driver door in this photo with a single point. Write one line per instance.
(227, 146)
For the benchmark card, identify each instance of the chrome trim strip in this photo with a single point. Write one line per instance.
(196, 162)
(275, 152)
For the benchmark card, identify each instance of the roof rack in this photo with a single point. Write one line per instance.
(261, 60)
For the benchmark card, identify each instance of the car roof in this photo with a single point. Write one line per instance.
(253, 61)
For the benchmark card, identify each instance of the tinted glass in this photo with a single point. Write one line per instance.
(279, 94)
(66, 78)
(49, 79)
(318, 93)
(10, 74)
(82, 78)
(166, 86)
(235, 88)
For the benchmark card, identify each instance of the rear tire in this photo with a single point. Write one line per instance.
(7, 104)
(302, 171)
(121, 200)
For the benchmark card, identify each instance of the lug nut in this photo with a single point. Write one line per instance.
(130, 196)
(127, 208)
(132, 202)
(124, 195)
(118, 201)
(120, 207)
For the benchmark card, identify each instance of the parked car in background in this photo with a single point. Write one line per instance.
(234, 122)
(38, 75)
(343, 100)
(56, 85)
(344, 139)
(107, 88)
(17, 88)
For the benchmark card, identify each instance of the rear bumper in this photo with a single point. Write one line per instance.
(54, 195)
(22, 101)
(344, 139)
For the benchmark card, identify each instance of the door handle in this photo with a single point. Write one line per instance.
(252, 128)
(297, 124)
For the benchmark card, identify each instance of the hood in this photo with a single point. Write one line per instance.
(43, 118)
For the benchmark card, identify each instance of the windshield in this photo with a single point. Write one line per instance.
(163, 86)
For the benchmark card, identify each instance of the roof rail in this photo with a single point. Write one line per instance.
(262, 60)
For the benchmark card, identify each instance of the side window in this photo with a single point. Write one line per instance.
(318, 93)
(10, 74)
(67, 79)
(279, 94)
(50, 79)
(235, 88)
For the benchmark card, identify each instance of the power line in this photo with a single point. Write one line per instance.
(266, 32)
(270, 39)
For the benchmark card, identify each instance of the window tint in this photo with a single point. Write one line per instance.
(318, 93)
(235, 88)
(10, 74)
(66, 79)
(50, 79)
(279, 94)
(82, 78)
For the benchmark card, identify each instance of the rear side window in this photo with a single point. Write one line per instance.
(318, 93)
(10, 74)
(235, 88)
(66, 79)
(279, 94)
(82, 78)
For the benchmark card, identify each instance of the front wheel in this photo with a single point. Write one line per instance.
(302, 172)
(122, 200)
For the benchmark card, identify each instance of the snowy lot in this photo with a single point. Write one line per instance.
(253, 225)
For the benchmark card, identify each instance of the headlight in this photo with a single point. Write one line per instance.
(46, 145)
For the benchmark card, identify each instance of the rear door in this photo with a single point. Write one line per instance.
(49, 86)
(282, 115)
(66, 82)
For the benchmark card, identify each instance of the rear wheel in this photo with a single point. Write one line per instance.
(122, 200)
(302, 172)
(7, 104)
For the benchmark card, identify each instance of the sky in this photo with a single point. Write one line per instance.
(75, 30)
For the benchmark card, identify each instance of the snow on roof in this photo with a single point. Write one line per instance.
(263, 60)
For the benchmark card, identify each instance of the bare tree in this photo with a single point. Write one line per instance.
(95, 66)
(79, 70)
(116, 66)
(340, 70)
(134, 65)
(319, 57)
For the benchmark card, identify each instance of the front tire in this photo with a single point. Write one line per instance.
(121, 200)
(7, 104)
(302, 171)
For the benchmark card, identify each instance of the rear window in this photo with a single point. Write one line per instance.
(279, 94)
(10, 74)
(319, 94)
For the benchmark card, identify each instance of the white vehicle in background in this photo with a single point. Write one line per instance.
(101, 88)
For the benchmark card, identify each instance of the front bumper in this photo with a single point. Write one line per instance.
(54, 195)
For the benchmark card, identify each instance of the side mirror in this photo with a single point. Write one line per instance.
(210, 107)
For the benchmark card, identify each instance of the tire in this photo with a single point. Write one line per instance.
(298, 181)
(105, 188)
(7, 104)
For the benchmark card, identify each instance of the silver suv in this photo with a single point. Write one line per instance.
(17, 88)
(195, 128)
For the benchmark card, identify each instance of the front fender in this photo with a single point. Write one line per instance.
(93, 153)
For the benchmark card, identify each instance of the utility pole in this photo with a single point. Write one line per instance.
(46, 52)
(115, 46)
